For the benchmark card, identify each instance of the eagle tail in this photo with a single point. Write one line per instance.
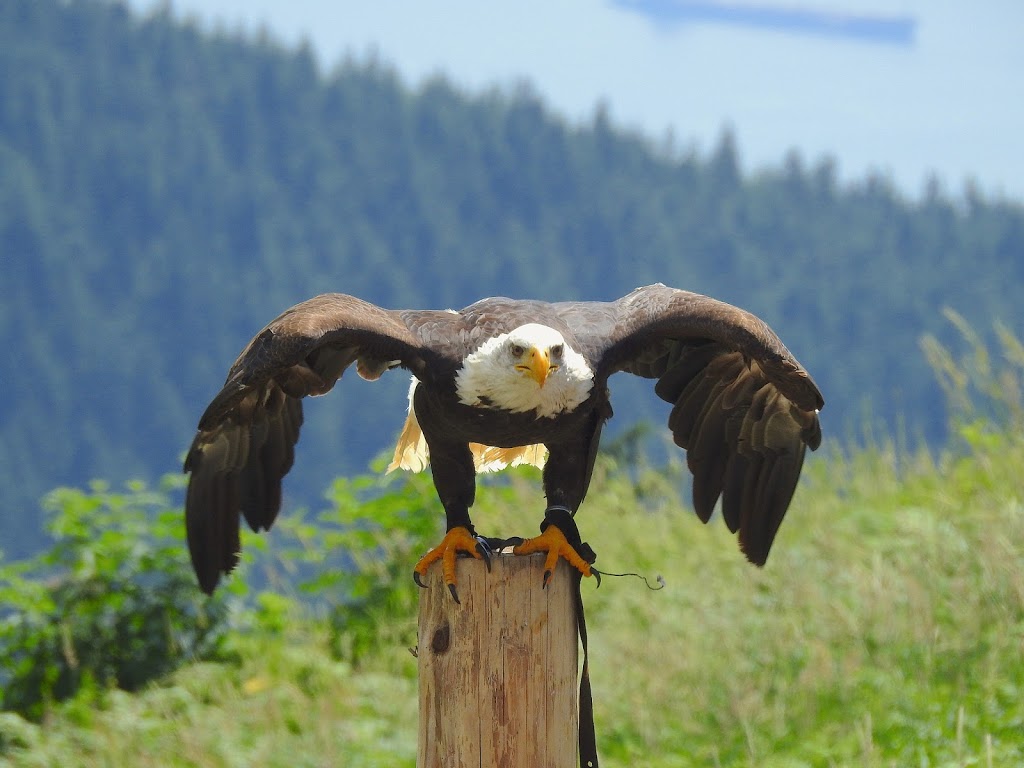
(488, 458)
(411, 452)
(413, 455)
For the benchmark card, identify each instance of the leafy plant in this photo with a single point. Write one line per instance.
(112, 603)
(360, 554)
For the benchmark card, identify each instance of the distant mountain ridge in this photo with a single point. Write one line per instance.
(166, 191)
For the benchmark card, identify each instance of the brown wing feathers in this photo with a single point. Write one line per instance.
(246, 440)
(745, 440)
(237, 467)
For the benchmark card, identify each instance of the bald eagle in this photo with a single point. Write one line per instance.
(504, 382)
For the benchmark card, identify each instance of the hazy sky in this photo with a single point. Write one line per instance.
(949, 100)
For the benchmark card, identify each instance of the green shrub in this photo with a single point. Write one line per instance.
(113, 603)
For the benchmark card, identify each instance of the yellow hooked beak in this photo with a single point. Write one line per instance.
(537, 365)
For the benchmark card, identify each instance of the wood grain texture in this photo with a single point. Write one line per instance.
(498, 673)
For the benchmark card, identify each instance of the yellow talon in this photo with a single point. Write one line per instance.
(553, 542)
(457, 541)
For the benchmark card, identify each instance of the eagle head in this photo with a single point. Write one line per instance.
(536, 351)
(531, 368)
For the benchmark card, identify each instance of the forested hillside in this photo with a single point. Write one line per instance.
(165, 191)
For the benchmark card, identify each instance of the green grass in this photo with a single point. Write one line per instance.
(284, 702)
(886, 630)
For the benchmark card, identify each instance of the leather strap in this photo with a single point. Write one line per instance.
(588, 737)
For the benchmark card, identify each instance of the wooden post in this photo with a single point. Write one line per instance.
(498, 672)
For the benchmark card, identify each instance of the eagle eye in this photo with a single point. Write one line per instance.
(517, 350)
(556, 351)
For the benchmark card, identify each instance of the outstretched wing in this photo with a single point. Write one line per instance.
(743, 408)
(246, 438)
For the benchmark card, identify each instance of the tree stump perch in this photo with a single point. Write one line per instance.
(498, 672)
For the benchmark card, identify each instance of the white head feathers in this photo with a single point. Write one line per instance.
(528, 369)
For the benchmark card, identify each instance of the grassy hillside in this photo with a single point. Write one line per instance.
(886, 630)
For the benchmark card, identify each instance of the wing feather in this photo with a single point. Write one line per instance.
(246, 440)
(688, 407)
(737, 470)
(743, 408)
(683, 365)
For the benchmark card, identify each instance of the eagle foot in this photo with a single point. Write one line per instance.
(458, 542)
(560, 537)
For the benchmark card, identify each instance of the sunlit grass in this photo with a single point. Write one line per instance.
(886, 630)
(283, 702)
(888, 626)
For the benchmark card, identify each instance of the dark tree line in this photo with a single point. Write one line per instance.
(164, 191)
